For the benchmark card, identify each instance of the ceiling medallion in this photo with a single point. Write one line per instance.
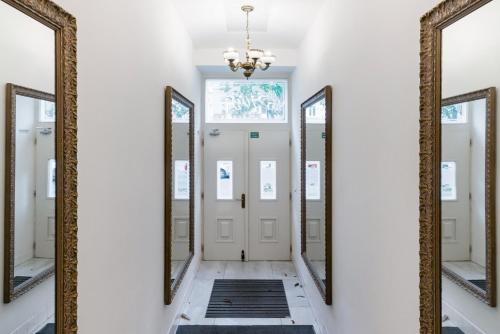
(255, 58)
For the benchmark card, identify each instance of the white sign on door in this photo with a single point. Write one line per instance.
(313, 185)
(224, 179)
(181, 176)
(268, 180)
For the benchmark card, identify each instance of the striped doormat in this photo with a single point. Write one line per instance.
(243, 298)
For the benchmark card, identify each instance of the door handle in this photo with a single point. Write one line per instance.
(242, 200)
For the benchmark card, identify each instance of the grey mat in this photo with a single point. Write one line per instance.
(48, 329)
(451, 330)
(480, 283)
(245, 330)
(18, 280)
(241, 298)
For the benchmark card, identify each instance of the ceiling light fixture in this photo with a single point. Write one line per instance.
(255, 58)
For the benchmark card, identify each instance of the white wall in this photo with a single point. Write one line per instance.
(470, 63)
(26, 59)
(127, 54)
(478, 181)
(369, 52)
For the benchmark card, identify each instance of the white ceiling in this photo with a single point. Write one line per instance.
(275, 24)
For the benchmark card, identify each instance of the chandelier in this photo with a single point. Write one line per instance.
(255, 58)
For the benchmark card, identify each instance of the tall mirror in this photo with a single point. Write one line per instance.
(316, 183)
(459, 80)
(38, 97)
(179, 189)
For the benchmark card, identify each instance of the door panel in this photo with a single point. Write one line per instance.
(45, 231)
(269, 196)
(225, 176)
(456, 212)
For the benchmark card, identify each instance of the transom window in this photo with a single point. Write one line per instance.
(454, 114)
(180, 113)
(246, 101)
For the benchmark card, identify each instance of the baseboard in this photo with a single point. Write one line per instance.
(183, 294)
(313, 296)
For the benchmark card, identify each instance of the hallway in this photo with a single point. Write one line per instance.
(196, 305)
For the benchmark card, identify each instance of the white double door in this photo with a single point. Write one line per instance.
(247, 195)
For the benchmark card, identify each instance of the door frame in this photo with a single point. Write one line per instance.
(243, 127)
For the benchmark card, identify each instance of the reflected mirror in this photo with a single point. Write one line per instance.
(316, 188)
(30, 190)
(470, 53)
(179, 219)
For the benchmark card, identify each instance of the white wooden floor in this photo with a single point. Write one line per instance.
(196, 305)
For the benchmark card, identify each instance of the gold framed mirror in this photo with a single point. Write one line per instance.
(316, 189)
(459, 57)
(29, 211)
(179, 189)
(38, 78)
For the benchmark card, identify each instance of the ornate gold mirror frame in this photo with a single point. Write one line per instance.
(64, 26)
(432, 25)
(324, 287)
(489, 295)
(171, 287)
(10, 292)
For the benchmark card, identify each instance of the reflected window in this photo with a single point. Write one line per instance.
(268, 180)
(180, 113)
(454, 114)
(181, 179)
(243, 101)
(316, 113)
(224, 179)
(313, 185)
(448, 181)
(51, 178)
(46, 111)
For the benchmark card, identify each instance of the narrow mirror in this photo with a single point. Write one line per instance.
(470, 75)
(316, 188)
(179, 219)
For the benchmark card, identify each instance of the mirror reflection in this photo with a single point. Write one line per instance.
(27, 80)
(315, 134)
(180, 188)
(316, 190)
(471, 73)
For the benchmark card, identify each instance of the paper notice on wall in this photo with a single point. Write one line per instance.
(313, 185)
(224, 180)
(181, 177)
(268, 180)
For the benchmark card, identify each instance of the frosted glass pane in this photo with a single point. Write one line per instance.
(313, 178)
(180, 113)
(181, 182)
(454, 114)
(268, 180)
(316, 113)
(448, 181)
(51, 178)
(225, 180)
(46, 111)
(243, 101)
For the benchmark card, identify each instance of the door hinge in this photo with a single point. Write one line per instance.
(470, 249)
(202, 195)
(202, 248)
(470, 196)
(291, 196)
(202, 142)
(471, 142)
(242, 255)
(291, 250)
(290, 142)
